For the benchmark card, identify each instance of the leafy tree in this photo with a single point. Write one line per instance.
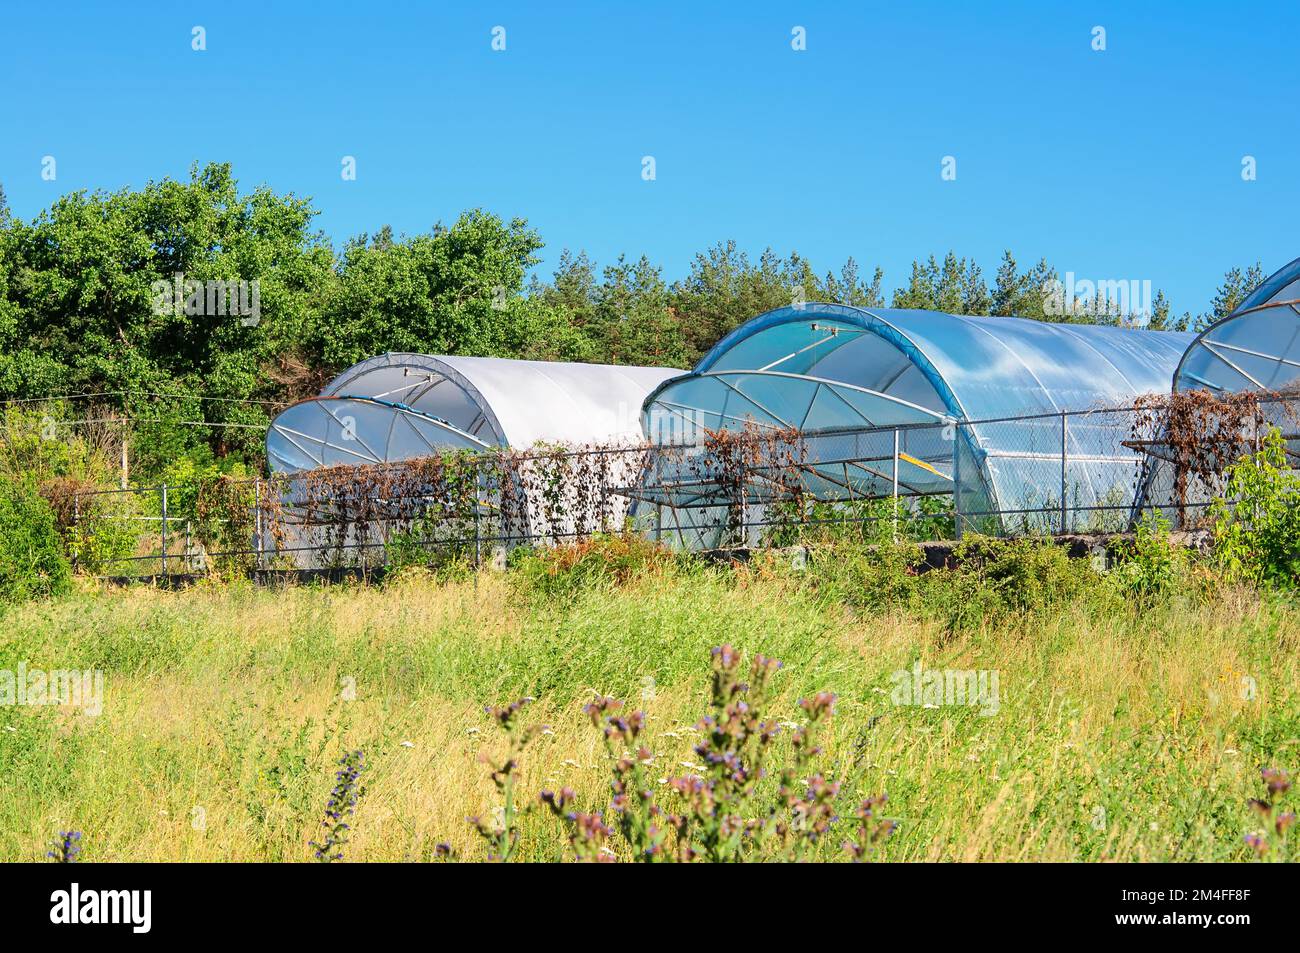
(455, 290)
(636, 324)
(1022, 295)
(84, 311)
(1159, 320)
(955, 287)
(851, 290)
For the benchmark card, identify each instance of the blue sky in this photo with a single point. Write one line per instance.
(1122, 164)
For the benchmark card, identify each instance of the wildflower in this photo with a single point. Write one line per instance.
(1277, 781)
(600, 708)
(1264, 808)
(1257, 843)
(871, 829)
(505, 714)
(342, 803)
(823, 703)
(66, 847)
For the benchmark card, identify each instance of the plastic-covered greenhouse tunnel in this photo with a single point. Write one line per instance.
(1021, 423)
(921, 403)
(399, 406)
(1255, 349)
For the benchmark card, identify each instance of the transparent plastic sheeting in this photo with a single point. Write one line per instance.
(822, 368)
(1257, 347)
(335, 431)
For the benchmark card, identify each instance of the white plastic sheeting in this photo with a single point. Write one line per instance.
(519, 403)
(402, 406)
(397, 406)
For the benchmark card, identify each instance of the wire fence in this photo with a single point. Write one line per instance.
(1068, 472)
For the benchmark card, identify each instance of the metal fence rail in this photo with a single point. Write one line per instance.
(1088, 471)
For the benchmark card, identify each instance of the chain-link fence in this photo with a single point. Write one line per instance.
(1070, 472)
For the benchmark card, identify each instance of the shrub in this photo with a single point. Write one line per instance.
(602, 560)
(878, 521)
(1150, 565)
(884, 576)
(99, 529)
(426, 544)
(32, 561)
(997, 578)
(1257, 519)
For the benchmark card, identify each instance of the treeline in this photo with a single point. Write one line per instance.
(130, 295)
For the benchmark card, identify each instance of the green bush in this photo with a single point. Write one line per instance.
(1150, 566)
(1257, 519)
(106, 532)
(32, 561)
(426, 544)
(997, 577)
(883, 576)
(603, 560)
(878, 521)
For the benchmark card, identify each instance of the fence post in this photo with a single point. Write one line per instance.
(125, 465)
(164, 529)
(257, 523)
(895, 493)
(744, 502)
(1064, 434)
(76, 525)
(956, 479)
(477, 534)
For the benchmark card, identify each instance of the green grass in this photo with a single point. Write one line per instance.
(1123, 732)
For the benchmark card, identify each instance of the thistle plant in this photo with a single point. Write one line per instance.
(723, 813)
(872, 829)
(342, 804)
(1272, 841)
(502, 833)
(640, 820)
(588, 833)
(66, 847)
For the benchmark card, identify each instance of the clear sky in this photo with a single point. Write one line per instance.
(1120, 164)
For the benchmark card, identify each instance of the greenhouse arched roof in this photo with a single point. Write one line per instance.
(1257, 347)
(401, 405)
(829, 369)
(963, 367)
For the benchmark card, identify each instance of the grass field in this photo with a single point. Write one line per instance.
(1120, 733)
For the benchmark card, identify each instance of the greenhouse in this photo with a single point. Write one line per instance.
(1008, 416)
(532, 415)
(401, 406)
(1253, 353)
(1257, 347)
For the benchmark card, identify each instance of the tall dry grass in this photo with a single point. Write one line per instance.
(1120, 733)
